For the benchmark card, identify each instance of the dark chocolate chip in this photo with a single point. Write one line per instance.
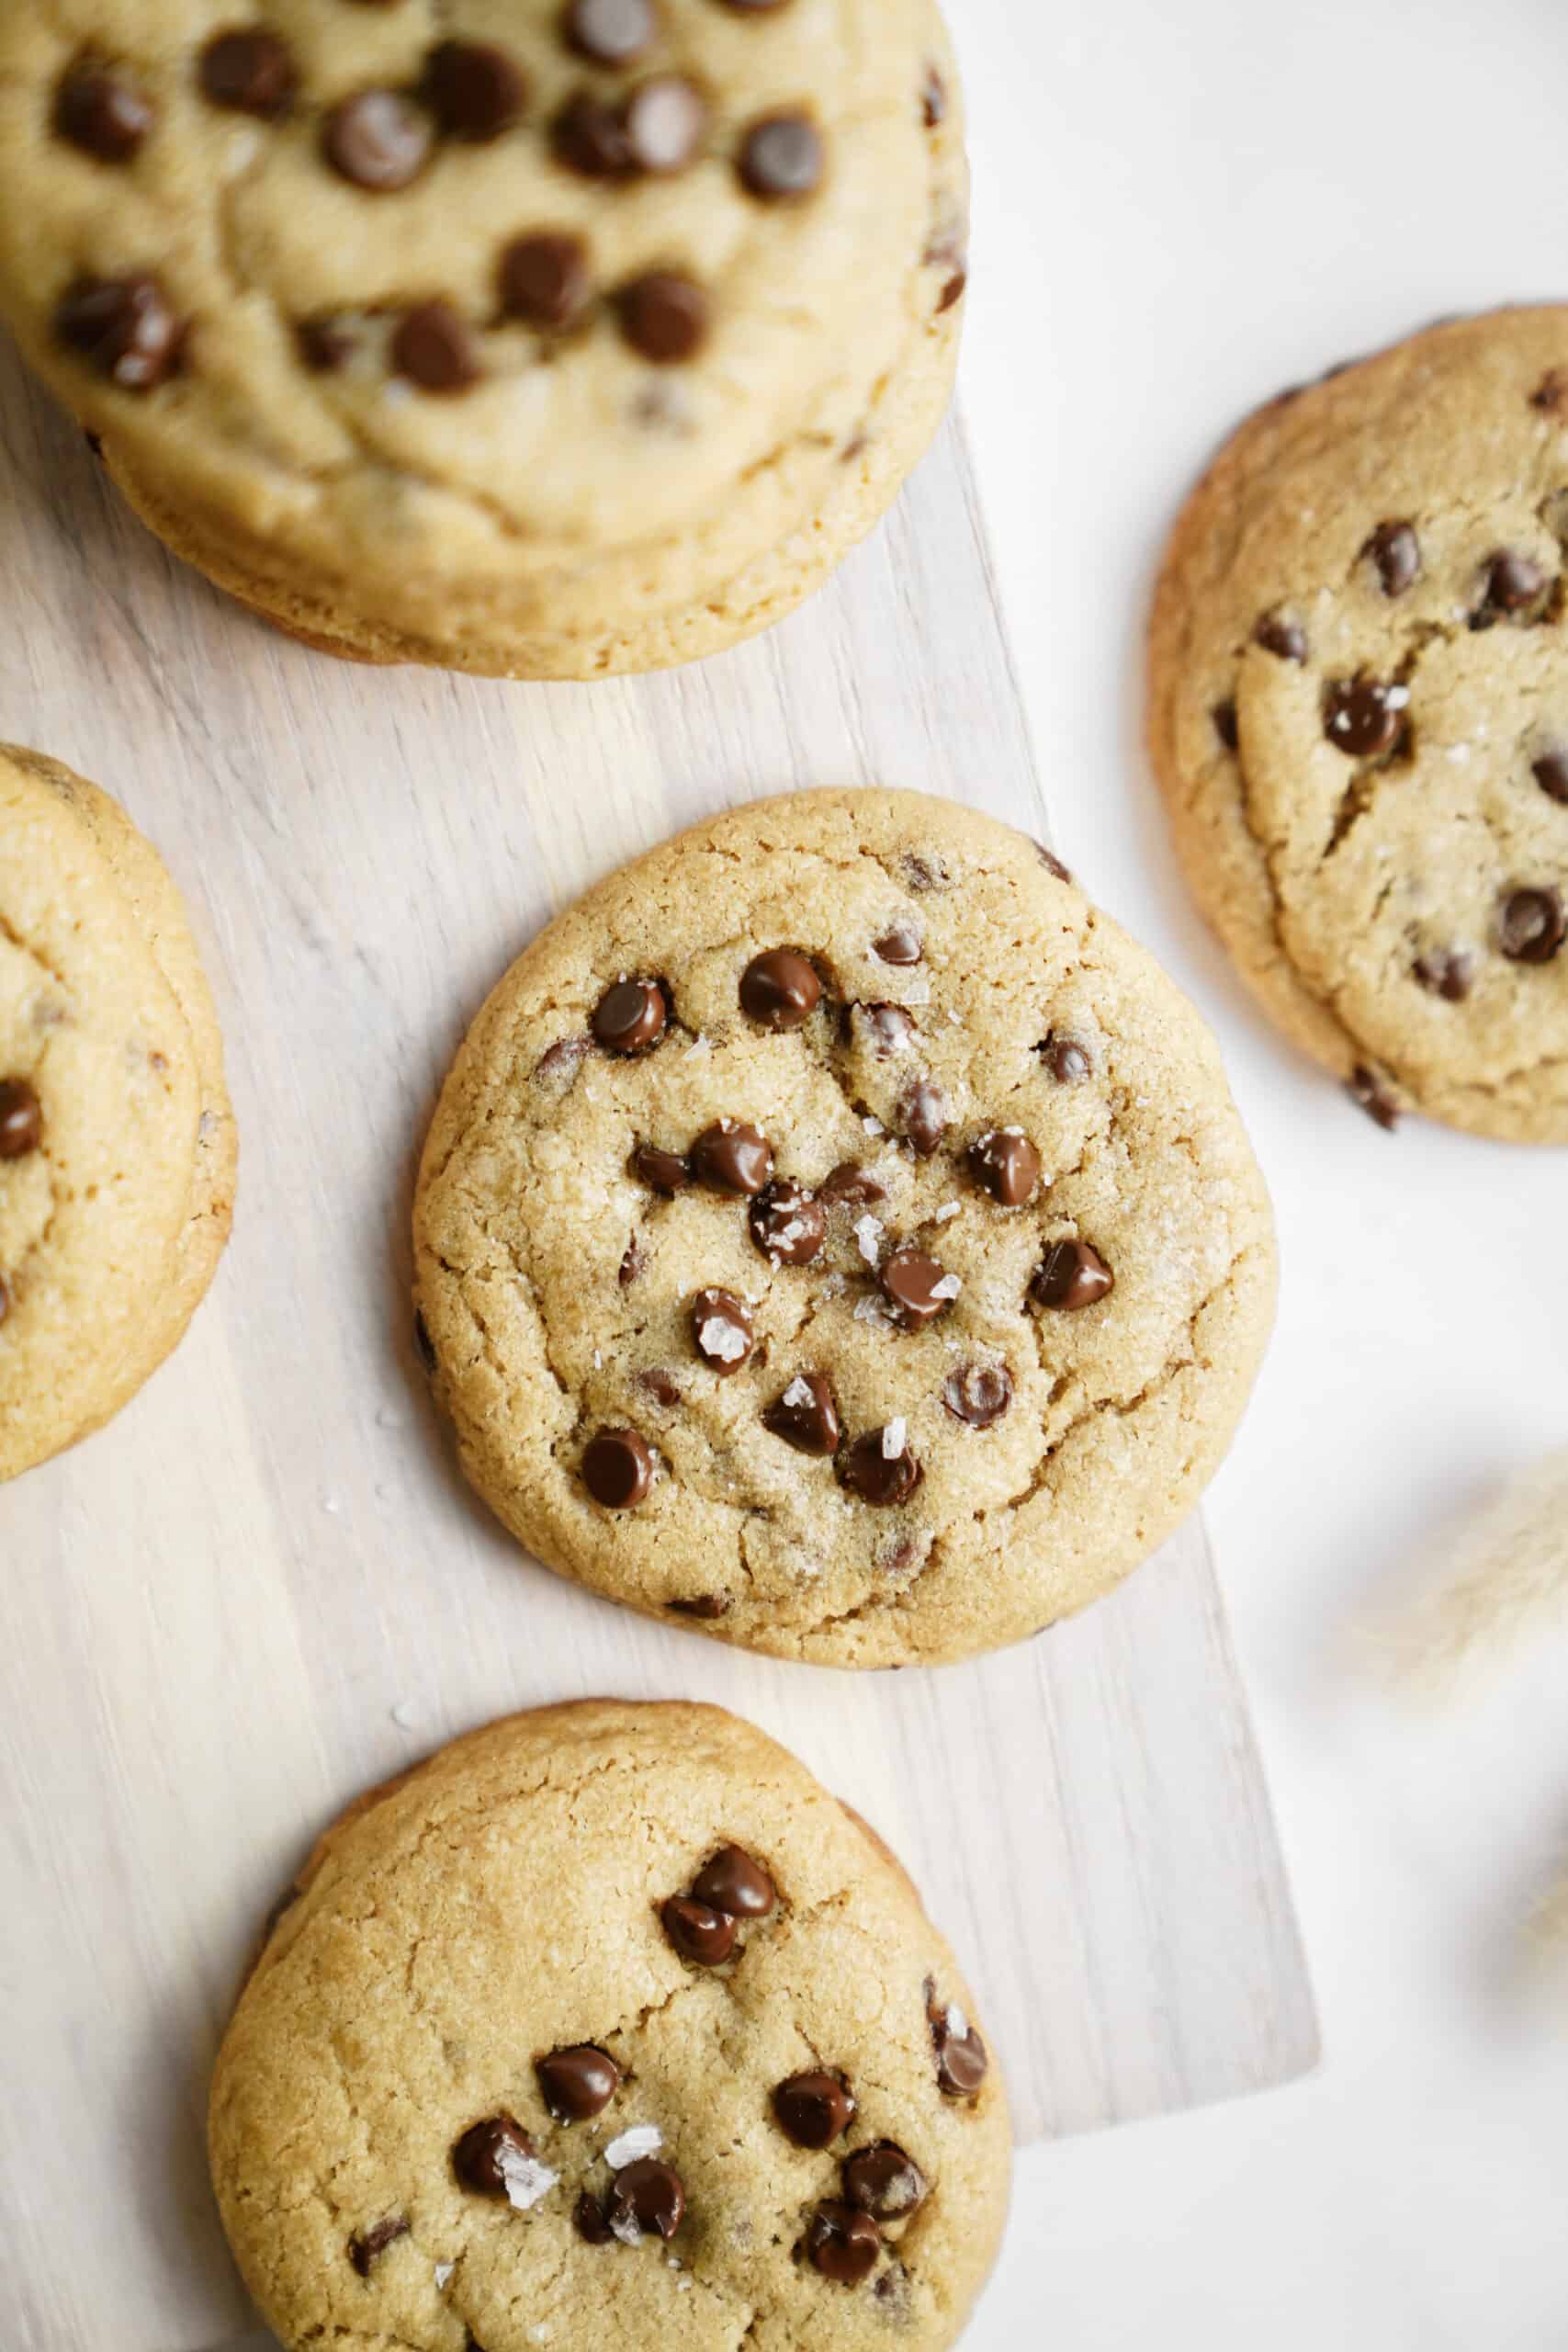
(952, 292)
(579, 2083)
(1073, 1275)
(544, 278)
(900, 945)
(488, 2151)
(1551, 395)
(1005, 1163)
(934, 98)
(805, 1415)
(1551, 771)
(880, 1468)
(961, 2057)
(813, 2108)
(722, 1330)
(732, 1882)
(918, 1287)
(1369, 1093)
(588, 2221)
(378, 140)
(922, 1116)
(1068, 1061)
(660, 1386)
(590, 137)
(617, 1469)
(664, 316)
(323, 345)
(563, 1059)
(631, 1016)
(1446, 972)
(122, 326)
(362, 2249)
(611, 32)
(664, 1172)
(844, 2243)
(787, 1225)
(1363, 718)
(706, 1605)
(731, 1157)
(700, 1933)
(1531, 925)
(1286, 639)
(926, 870)
(21, 1118)
(649, 2193)
(978, 1394)
(664, 121)
(1227, 725)
(634, 1259)
(780, 990)
(251, 71)
(883, 2182)
(850, 1184)
(424, 1346)
(435, 347)
(1512, 583)
(474, 89)
(882, 1029)
(1394, 551)
(782, 158)
(103, 111)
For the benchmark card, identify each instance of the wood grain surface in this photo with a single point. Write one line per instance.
(266, 1586)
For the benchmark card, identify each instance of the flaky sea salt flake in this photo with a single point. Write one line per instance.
(641, 2140)
(895, 1437)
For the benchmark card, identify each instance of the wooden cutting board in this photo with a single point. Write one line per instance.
(265, 1586)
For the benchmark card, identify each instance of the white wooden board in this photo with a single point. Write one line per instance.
(266, 1586)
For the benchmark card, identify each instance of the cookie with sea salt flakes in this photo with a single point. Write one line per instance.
(836, 1234)
(543, 338)
(1360, 717)
(608, 2026)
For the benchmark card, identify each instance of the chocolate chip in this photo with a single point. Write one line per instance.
(1051, 863)
(123, 327)
(883, 2182)
(978, 1394)
(1531, 925)
(665, 317)
(649, 2193)
(424, 1346)
(901, 944)
(1512, 583)
(731, 1157)
(922, 1116)
(918, 1287)
(1074, 1275)
(787, 1225)
(634, 1259)
(1005, 1163)
(1369, 1093)
(1551, 395)
(1551, 771)
(731, 1880)
(780, 990)
(707, 1605)
(1286, 639)
(1068, 1061)
(1364, 719)
(590, 137)
(882, 1029)
(631, 1016)
(617, 1469)
(588, 2221)
(489, 2151)
(102, 110)
(660, 1386)
(805, 1415)
(362, 2249)
(664, 121)
(378, 140)
(252, 71)
(926, 870)
(578, 2083)
(474, 89)
(850, 1184)
(323, 345)
(1395, 552)
(961, 2057)
(880, 1468)
(699, 1932)
(1446, 972)
(934, 98)
(844, 2243)
(1227, 725)
(664, 1172)
(722, 1330)
(954, 291)
(563, 1059)
(782, 158)
(21, 1118)
(435, 347)
(544, 278)
(611, 32)
(813, 2108)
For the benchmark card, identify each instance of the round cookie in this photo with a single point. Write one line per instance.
(836, 1233)
(536, 339)
(117, 1140)
(608, 2025)
(1360, 717)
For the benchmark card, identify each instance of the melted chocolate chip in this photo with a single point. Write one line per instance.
(579, 2083)
(590, 137)
(883, 2182)
(665, 317)
(435, 347)
(918, 1287)
(882, 1029)
(961, 2057)
(782, 158)
(617, 1469)
(1394, 551)
(731, 1157)
(424, 1346)
(900, 945)
(1007, 1165)
(1286, 639)
(813, 2108)
(978, 1394)
(323, 345)
(1364, 719)
(1551, 771)
(103, 111)
(878, 1474)
(923, 1117)
(378, 140)
(610, 32)
(805, 1416)
(700, 1933)
(633, 1263)
(660, 1386)
(722, 1330)
(631, 1016)
(732, 1882)
(649, 2193)
(363, 2249)
(1073, 1275)
(850, 1185)
(664, 1172)
(952, 292)
(1512, 583)
(926, 870)
(21, 1118)
(1227, 727)
(787, 1225)
(544, 278)
(844, 2243)
(123, 327)
(934, 98)
(563, 1059)
(664, 121)
(1446, 972)
(780, 990)
(1531, 925)
(707, 1605)
(474, 89)
(488, 2151)
(251, 71)
(1551, 395)
(1369, 1093)
(588, 2221)
(1068, 1061)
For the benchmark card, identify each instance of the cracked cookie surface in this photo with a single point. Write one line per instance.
(481, 2090)
(836, 1235)
(1360, 718)
(117, 1141)
(537, 339)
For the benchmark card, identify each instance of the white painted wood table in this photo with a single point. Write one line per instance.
(266, 1586)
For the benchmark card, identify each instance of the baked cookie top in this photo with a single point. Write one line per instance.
(609, 2024)
(835, 1231)
(488, 289)
(1360, 716)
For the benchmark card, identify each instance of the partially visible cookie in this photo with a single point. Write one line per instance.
(838, 1236)
(608, 2026)
(117, 1140)
(1359, 714)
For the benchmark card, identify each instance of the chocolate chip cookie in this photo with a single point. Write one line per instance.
(548, 339)
(117, 1142)
(1360, 717)
(836, 1235)
(608, 2026)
